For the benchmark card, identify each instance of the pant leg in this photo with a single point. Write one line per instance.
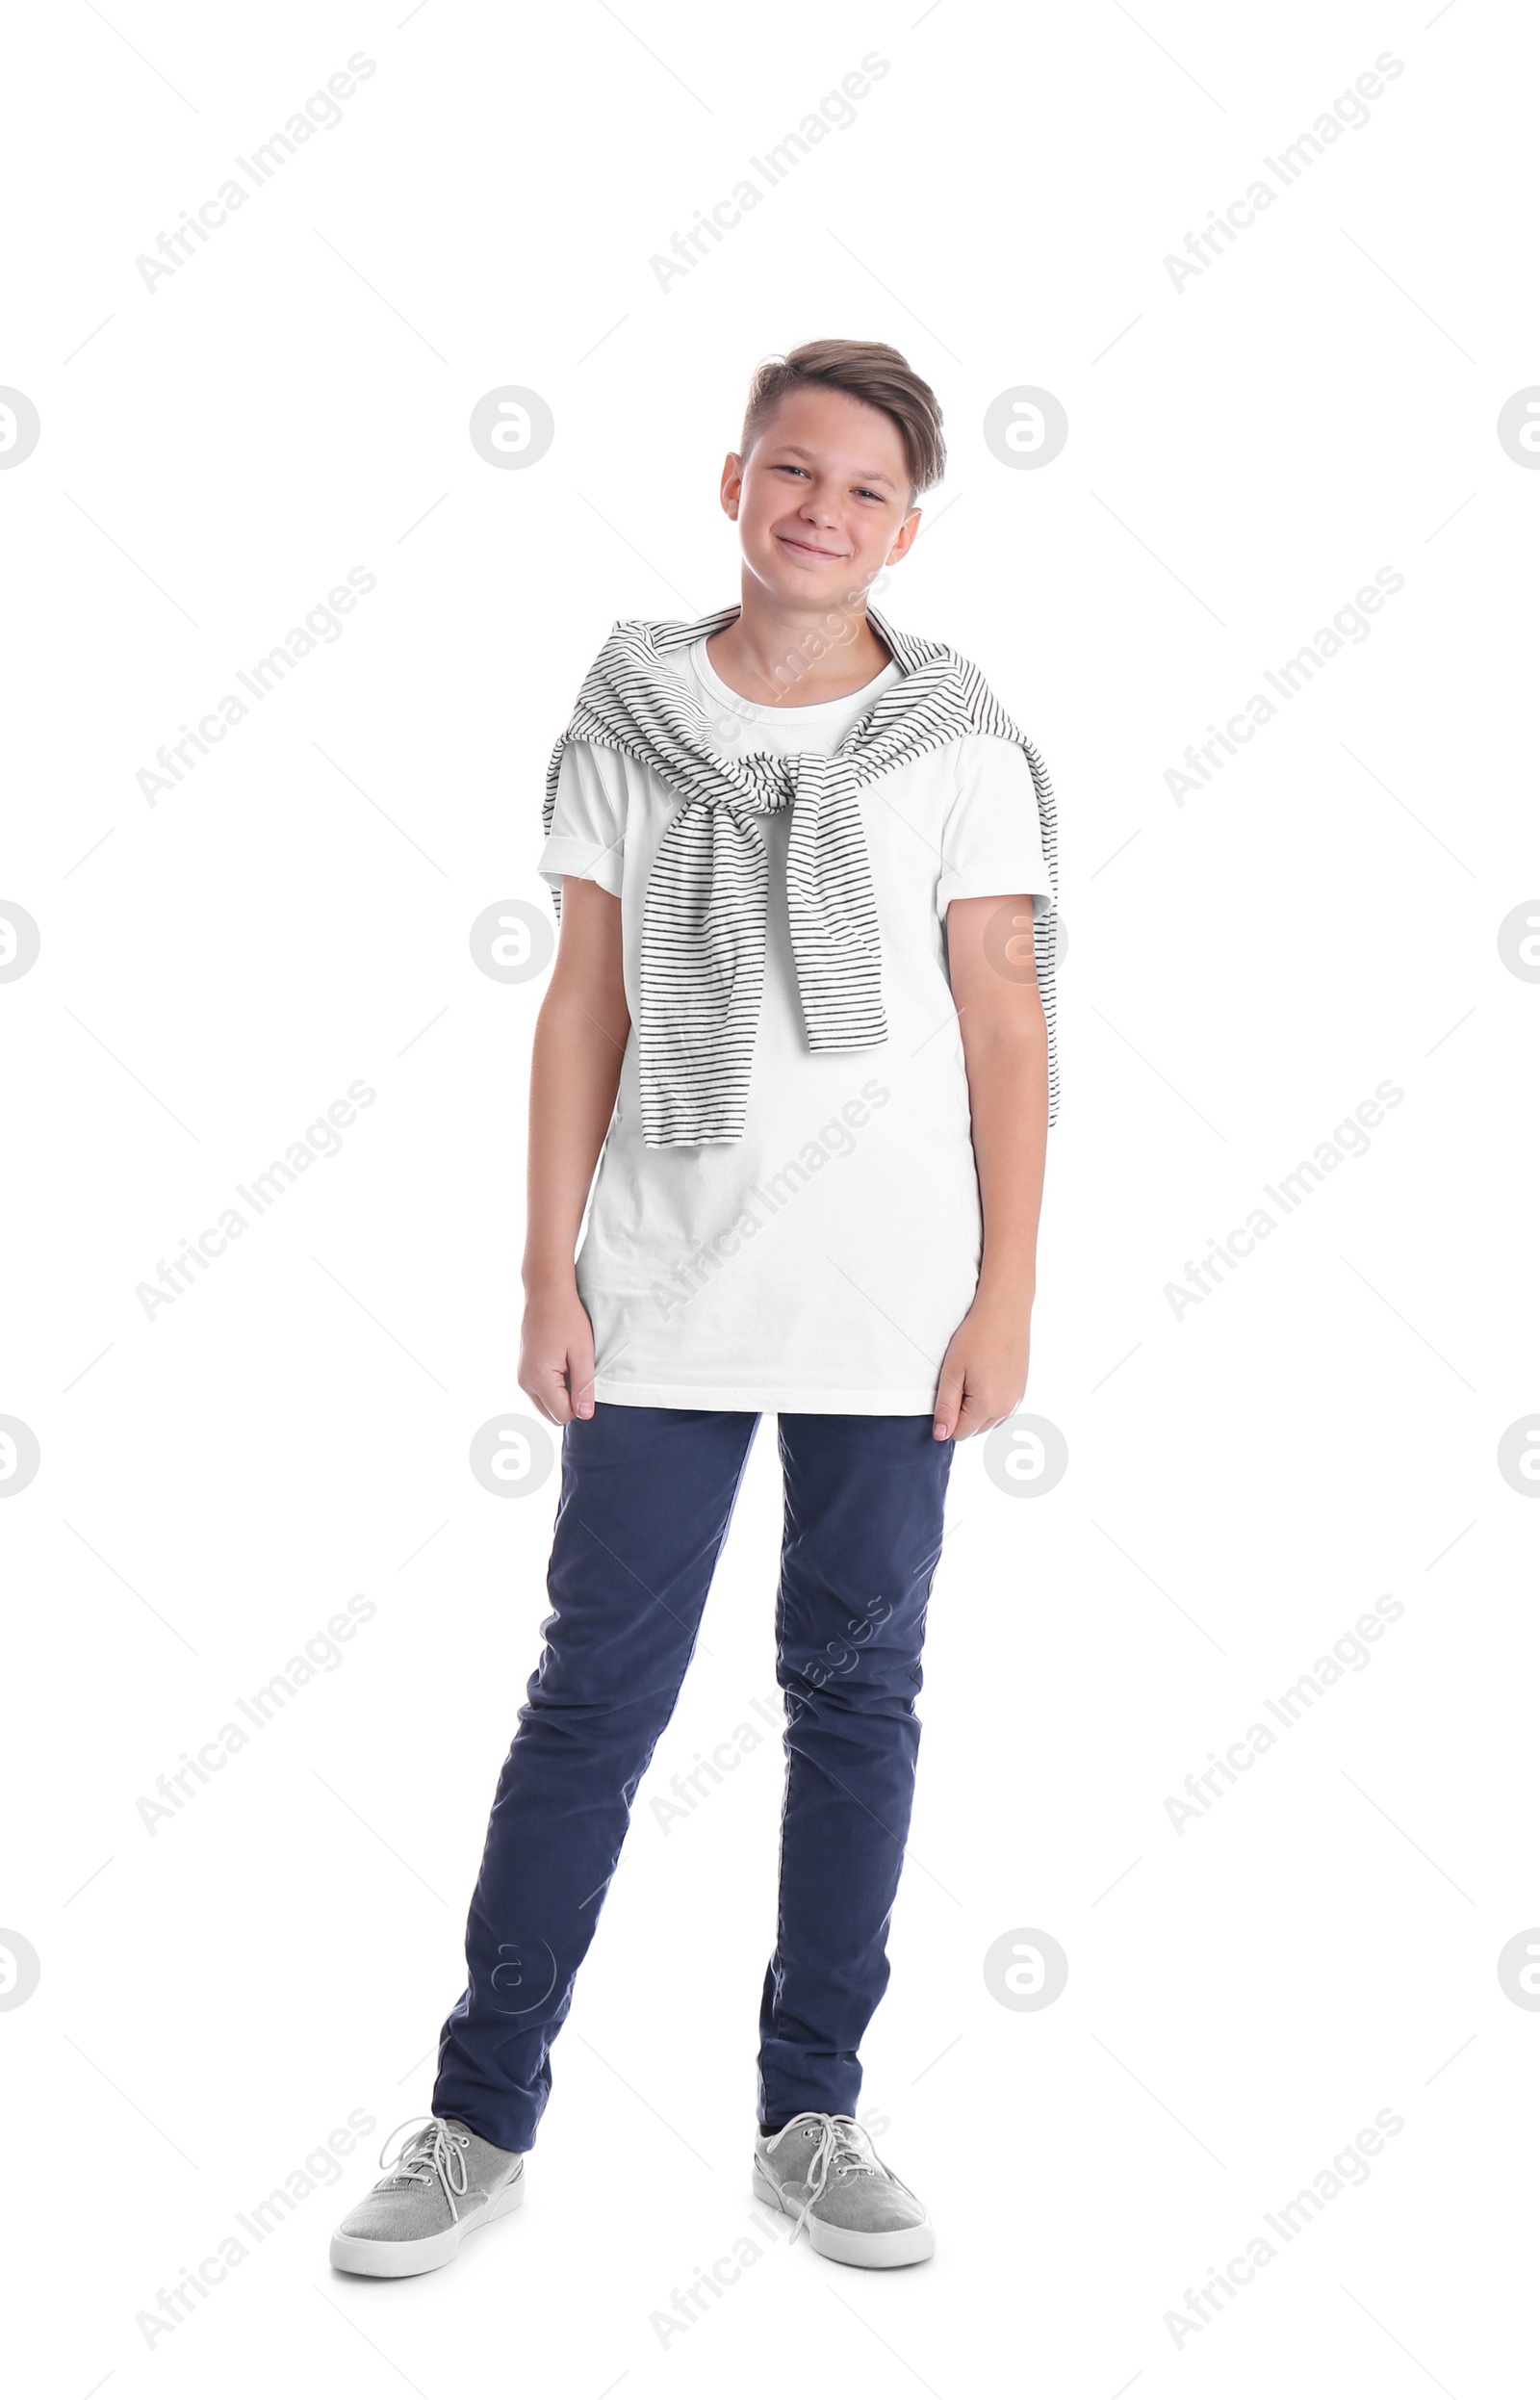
(864, 1508)
(647, 1495)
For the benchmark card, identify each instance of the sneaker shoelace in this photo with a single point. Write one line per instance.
(844, 2147)
(431, 2151)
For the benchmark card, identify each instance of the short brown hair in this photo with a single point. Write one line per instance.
(869, 371)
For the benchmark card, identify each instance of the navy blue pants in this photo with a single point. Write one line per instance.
(646, 1496)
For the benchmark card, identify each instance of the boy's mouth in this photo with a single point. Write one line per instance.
(808, 550)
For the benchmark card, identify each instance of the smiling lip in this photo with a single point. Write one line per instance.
(809, 550)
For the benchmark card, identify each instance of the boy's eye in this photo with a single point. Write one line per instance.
(863, 491)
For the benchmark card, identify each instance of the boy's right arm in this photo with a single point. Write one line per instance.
(574, 1077)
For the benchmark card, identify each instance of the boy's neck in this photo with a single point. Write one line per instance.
(794, 658)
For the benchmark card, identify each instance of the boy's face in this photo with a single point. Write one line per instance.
(822, 501)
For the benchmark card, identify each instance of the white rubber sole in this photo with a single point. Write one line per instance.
(355, 2255)
(905, 2246)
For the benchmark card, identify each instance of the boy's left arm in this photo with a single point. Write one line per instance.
(1005, 1044)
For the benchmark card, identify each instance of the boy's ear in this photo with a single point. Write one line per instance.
(905, 538)
(731, 482)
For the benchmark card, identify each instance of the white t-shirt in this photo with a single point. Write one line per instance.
(823, 1264)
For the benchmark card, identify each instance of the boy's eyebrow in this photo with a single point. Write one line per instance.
(864, 475)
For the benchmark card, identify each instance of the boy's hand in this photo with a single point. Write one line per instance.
(984, 1374)
(557, 1353)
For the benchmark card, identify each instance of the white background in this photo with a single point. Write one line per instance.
(1242, 969)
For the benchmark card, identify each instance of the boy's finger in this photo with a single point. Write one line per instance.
(580, 1376)
(948, 1403)
(549, 1392)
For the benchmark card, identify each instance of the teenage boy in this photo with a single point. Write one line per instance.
(800, 1005)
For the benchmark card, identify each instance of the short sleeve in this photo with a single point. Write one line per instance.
(588, 833)
(992, 840)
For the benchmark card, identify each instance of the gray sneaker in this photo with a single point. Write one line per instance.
(444, 2182)
(824, 2173)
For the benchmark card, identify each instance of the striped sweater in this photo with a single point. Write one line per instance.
(703, 960)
